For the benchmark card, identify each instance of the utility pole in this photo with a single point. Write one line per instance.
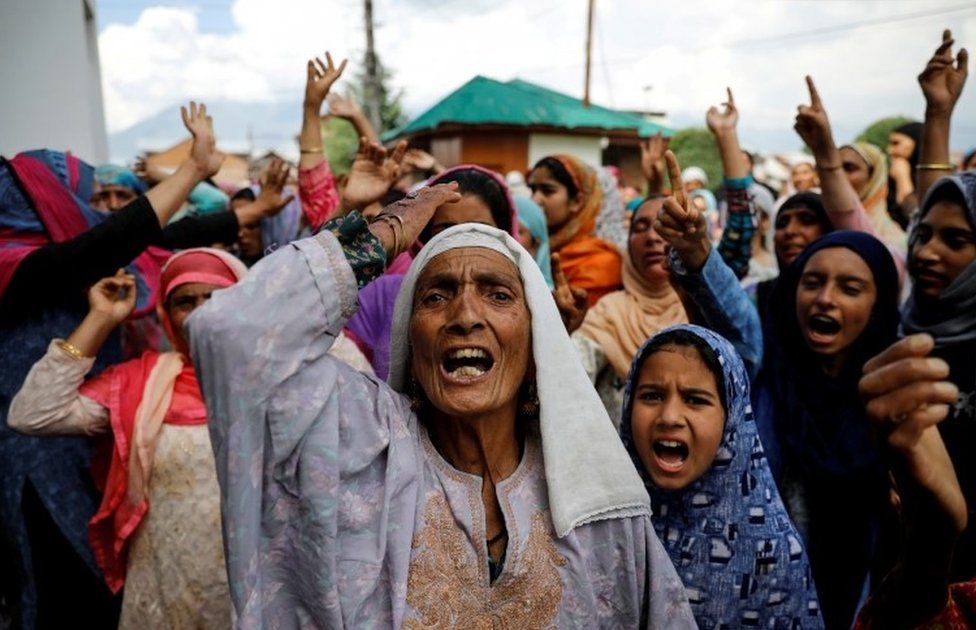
(371, 89)
(589, 47)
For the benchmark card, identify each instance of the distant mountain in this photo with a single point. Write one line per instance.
(241, 128)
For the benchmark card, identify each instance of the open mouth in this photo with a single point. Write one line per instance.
(928, 277)
(670, 454)
(467, 363)
(823, 326)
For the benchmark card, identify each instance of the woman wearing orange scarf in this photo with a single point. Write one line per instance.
(569, 193)
(170, 559)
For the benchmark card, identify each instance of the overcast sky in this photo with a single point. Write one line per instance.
(671, 56)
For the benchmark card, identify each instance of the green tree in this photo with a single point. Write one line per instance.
(391, 108)
(340, 141)
(878, 131)
(695, 146)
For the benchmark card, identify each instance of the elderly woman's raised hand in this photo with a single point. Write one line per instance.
(203, 154)
(941, 80)
(372, 174)
(571, 301)
(812, 124)
(682, 224)
(319, 80)
(400, 223)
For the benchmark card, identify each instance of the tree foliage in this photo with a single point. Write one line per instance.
(878, 131)
(391, 108)
(695, 146)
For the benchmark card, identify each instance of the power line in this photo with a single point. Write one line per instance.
(813, 33)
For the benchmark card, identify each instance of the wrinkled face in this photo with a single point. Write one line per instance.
(900, 145)
(185, 299)
(248, 234)
(677, 419)
(646, 247)
(944, 248)
(796, 228)
(470, 332)
(834, 300)
(804, 177)
(111, 197)
(858, 171)
(553, 198)
(470, 209)
(527, 241)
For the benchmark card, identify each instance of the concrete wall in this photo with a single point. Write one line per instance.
(50, 82)
(587, 148)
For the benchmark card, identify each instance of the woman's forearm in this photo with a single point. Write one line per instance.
(168, 196)
(734, 164)
(310, 139)
(934, 151)
(91, 334)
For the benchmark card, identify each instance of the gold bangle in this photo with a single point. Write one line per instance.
(315, 150)
(935, 166)
(395, 222)
(71, 351)
(836, 167)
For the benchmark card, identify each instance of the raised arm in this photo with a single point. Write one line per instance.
(942, 82)
(840, 200)
(372, 174)
(49, 402)
(347, 108)
(702, 274)
(735, 246)
(319, 80)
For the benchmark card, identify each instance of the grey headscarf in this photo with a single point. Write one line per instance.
(951, 317)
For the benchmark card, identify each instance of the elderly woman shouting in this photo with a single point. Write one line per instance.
(483, 486)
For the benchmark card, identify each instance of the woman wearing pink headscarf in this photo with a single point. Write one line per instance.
(155, 447)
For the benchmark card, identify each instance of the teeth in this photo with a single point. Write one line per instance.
(466, 371)
(469, 353)
(669, 443)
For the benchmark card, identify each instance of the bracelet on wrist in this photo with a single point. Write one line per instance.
(935, 166)
(71, 350)
(395, 222)
(317, 150)
(830, 167)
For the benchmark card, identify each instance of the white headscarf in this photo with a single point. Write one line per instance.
(589, 475)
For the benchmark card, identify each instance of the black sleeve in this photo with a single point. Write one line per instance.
(47, 275)
(200, 231)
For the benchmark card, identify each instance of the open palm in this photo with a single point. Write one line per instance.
(372, 173)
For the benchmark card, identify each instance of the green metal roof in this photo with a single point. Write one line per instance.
(518, 103)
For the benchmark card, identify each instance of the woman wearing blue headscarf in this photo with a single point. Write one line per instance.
(534, 235)
(688, 425)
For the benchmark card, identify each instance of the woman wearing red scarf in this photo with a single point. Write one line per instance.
(170, 559)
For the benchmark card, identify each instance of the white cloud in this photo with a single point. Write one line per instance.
(688, 54)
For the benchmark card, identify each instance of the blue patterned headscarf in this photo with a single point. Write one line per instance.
(740, 558)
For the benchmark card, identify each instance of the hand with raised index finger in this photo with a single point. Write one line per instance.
(681, 224)
(812, 123)
(319, 79)
(725, 120)
(942, 80)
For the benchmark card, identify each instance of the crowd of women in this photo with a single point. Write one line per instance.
(415, 397)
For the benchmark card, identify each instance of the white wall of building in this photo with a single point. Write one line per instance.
(587, 148)
(50, 81)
